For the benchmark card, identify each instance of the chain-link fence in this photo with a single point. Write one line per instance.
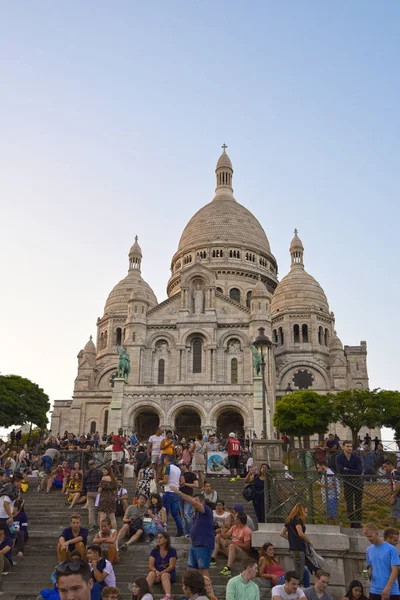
(82, 457)
(331, 499)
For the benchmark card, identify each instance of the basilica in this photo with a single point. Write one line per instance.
(191, 356)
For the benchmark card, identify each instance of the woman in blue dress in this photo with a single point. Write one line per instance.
(258, 481)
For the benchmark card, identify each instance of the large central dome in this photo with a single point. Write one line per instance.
(224, 221)
(226, 237)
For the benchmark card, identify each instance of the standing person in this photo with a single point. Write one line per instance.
(233, 447)
(153, 450)
(391, 536)
(242, 587)
(187, 483)
(91, 484)
(349, 465)
(290, 590)
(382, 564)
(141, 457)
(167, 447)
(201, 534)
(171, 499)
(145, 476)
(294, 530)
(74, 582)
(162, 562)
(394, 475)
(212, 445)
(258, 481)
(118, 445)
(318, 590)
(108, 496)
(330, 489)
(198, 450)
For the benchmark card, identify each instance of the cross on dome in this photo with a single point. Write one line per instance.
(224, 147)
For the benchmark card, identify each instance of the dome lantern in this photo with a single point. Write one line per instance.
(135, 256)
(297, 251)
(224, 174)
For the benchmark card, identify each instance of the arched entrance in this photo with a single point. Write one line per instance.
(230, 420)
(146, 423)
(187, 423)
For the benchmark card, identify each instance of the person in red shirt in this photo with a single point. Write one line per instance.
(233, 447)
(118, 444)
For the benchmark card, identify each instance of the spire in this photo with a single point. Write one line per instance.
(135, 256)
(224, 173)
(297, 251)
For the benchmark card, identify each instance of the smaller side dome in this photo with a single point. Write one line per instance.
(336, 344)
(259, 290)
(89, 348)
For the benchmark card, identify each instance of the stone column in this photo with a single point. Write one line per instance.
(115, 415)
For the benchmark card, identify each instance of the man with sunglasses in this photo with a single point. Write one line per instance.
(74, 580)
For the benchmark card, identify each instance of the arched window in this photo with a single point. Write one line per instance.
(197, 355)
(248, 296)
(161, 371)
(119, 336)
(296, 334)
(105, 424)
(133, 337)
(304, 333)
(93, 427)
(234, 293)
(105, 339)
(234, 370)
(102, 341)
(320, 335)
(281, 338)
(220, 290)
(326, 337)
(275, 336)
(357, 367)
(135, 309)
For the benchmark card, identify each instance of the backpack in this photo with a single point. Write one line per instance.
(7, 489)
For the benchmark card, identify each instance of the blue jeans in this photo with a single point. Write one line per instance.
(187, 515)
(171, 501)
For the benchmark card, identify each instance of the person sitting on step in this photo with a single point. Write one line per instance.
(107, 539)
(236, 543)
(162, 563)
(21, 526)
(110, 593)
(73, 537)
(210, 494)
(102, 571)
(133, 523)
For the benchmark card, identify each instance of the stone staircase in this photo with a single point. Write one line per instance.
(48, 515)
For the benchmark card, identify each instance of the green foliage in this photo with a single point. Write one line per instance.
(389, 402)
(357, 408)
(303, 413)
(22, 401)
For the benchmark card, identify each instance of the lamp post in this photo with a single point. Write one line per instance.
(263, 345)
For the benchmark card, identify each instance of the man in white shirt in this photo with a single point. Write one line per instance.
(153, 449)
(290, 590)
(171, 480)
(102, 570)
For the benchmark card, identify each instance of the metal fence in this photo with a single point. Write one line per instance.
(301, 459)
(337, 500)
(82, 458)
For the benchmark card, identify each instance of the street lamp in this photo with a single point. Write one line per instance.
(263, 345)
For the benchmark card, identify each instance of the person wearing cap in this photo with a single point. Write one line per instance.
(238, 508)
(233, 448)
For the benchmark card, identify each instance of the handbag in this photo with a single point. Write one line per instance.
(249, 492)
(153, 486)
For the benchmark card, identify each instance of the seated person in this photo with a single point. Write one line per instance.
(270, 572)
(122, 499)
(73, 537)
(21, 526)
(74, 489)
(209, 494)
(238, 508)
(158, 515)
(162, 563)
(236, 543)
(6, 544)
(209, 588)
(110, 593)
(56, 478)
(101, 569)
(318, 590)
(290, 589)
(222, 524)
(133, 523)
(107, 539)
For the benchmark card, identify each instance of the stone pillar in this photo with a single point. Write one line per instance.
(115, 416)
(268, 451)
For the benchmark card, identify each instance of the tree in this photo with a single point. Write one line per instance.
(357, 408)
(303, 413)
(389, 402)
(22, 401)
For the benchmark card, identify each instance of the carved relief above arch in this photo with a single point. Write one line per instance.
(160, 335)
(186, 338)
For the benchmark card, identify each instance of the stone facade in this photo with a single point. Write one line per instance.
(191, 355)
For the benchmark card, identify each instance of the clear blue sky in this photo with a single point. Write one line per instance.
(112, 118)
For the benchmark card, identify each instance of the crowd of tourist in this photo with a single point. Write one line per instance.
(173, 497)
